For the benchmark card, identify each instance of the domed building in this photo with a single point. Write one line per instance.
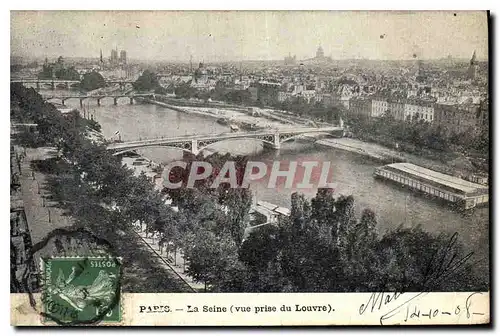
(320, 57)
(320, 53)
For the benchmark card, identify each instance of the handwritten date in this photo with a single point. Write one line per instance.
(415, 311)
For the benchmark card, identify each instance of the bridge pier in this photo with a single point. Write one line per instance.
(81, 102)
(52, 85)
(63, 101)
(115, 101)
(131, 100)
(276, 142)
(98, 101)
(38, 86)
(194, 147)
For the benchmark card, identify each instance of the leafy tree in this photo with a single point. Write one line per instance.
(47, 72)
(147, 81)
(238, 96)
(312, 258)
(261, 247)
(210, 257)
(360, 259)
(185, 90)
(92, 80)
(161, 90)
(414, 260)
(231, 204)
(67, 74)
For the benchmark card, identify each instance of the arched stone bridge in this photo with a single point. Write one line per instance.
(196, 143)
(115, 97)
(66, 83)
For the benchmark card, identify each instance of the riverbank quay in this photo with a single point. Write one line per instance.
(22, 272)
(373, 151)
(43, 200)
(257, 118)
(181, 102)
(37, 215)
(266, 111)
(42, 211)
(177, 108)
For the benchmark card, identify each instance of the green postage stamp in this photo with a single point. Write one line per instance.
(81, 290)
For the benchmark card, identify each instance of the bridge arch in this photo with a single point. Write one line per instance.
(55, 99)
(130, 150)
(121, 98)
(268, 140)
(187, 146)
(284, 138)
(61, 100)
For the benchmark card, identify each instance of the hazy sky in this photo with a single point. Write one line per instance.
(252, 35)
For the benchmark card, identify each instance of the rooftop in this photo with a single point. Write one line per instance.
(139, 166)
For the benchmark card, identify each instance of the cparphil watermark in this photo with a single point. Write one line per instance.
(287, 174)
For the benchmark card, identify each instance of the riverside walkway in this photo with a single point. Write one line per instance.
(142, 269)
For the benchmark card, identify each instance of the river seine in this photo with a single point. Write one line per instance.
(353, 174)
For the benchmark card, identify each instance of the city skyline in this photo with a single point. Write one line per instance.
(236, 155)
(240, 36)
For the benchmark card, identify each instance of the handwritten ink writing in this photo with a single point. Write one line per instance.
(380, 299)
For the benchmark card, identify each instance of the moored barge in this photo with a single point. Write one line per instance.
(462, 193)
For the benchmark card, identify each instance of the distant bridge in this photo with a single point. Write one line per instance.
(66, 83)
(98, 97)
(196, 143)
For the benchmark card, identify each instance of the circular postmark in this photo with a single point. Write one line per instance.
(78, 279)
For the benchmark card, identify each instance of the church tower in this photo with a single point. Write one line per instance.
(471, 72)
(101, 62)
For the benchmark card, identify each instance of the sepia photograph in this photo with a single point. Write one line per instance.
(309, 157)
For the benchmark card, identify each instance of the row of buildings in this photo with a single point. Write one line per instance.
(454, 115)
(453, 118)
(448, 92)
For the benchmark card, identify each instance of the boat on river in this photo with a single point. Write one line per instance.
(222, 121)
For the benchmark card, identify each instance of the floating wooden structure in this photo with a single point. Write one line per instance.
(464, 194)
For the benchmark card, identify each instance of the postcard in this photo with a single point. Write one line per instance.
(249, 168)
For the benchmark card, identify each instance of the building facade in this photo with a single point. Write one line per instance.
(397, 109)
(379, 107)
(455, 118)
(416, 110)
(360, 107)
